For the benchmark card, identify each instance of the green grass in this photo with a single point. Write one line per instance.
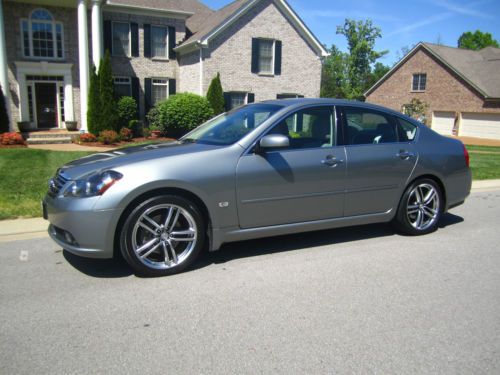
(24, 174)
(23, 179)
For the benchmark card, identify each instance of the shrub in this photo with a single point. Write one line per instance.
(4, 118)
(136, 127)
(153, 115)
(86, 138)
(108, 137)
(12, 138)
(215, 95)
(126, 134)
(127, 110)
(183, 112)
(108, 117)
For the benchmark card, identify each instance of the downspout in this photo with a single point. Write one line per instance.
(201, 71)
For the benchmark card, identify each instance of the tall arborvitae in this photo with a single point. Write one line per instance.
(94, 103)
(215, 95)
(108, 116)
(4, 117)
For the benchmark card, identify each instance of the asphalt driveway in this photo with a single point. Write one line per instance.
(358, 300)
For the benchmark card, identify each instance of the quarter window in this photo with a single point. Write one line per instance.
(368, 127)
(122, 86)
(419, 82)
(121, 39)
(406, 130)
(42, 36)
(159, 41)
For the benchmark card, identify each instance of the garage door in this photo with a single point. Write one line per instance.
(442, 122)
(480, 125)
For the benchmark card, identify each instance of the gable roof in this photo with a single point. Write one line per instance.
(480, 69)
(208, 27)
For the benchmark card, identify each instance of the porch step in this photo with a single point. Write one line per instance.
(48, 140)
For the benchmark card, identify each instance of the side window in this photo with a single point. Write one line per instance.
(365, 126)
(308, 128)
(406, 130)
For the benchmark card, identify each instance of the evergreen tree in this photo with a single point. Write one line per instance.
(215, 95)
(94, 103)
(4, 117)
(108, 116)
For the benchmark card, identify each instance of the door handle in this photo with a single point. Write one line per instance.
(331, 161)
(403, 154)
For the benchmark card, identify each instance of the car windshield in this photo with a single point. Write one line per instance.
(230, 127)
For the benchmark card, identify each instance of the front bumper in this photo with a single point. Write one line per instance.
(77, 228)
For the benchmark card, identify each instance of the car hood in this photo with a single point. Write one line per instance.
(117, 158)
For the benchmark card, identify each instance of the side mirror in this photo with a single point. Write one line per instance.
(273, 141)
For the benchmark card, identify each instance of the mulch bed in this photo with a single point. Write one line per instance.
(13, 146)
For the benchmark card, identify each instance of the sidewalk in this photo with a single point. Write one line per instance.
(25, 229)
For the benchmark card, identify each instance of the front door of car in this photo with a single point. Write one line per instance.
(302, 182)
(380, 159)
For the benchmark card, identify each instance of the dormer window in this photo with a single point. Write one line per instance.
(42, 36)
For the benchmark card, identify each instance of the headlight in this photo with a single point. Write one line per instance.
(95, 184)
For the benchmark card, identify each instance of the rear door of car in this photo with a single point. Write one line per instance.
(380, 158)
(303, 182)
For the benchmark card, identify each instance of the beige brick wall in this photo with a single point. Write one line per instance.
(189, 72)
(445, 91)
(231, 54)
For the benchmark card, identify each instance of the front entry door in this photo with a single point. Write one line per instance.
(46, 104)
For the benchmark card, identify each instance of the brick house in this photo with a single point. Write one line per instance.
(261, 49)
(461, 88)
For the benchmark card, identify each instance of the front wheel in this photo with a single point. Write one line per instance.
(420, 208)
(162, 236)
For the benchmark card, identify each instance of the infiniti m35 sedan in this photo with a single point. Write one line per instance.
(264, 169)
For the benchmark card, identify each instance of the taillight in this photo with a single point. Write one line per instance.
(466, 155)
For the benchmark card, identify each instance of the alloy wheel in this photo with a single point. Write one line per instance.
(423, 206)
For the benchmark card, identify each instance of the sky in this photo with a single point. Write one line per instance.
(403, 23)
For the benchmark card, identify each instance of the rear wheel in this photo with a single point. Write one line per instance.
(162, 236)
(420, 208)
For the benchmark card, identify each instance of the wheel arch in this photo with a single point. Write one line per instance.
(200, 204)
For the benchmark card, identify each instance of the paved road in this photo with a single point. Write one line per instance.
(360, 300)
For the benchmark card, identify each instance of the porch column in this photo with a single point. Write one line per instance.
(96, 32)
(4, 78)
(83, 54)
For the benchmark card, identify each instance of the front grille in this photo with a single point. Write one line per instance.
(57, 182)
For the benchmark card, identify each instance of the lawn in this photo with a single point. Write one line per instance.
(25, 172)
(484, 162)
(24, 175)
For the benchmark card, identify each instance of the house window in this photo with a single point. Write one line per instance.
(419, 81)
(121, 39)
(159, 42)
(266, 56)
(237, 99)
(42, 36)
(159, 90)
(288, 96)
(122, 87)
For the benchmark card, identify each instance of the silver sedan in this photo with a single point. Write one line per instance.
(265, 169)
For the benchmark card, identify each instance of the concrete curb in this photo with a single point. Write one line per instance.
(23, 229)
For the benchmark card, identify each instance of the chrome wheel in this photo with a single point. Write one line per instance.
(164, 236)
(423, 206)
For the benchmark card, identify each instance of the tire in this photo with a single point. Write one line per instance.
(162, 236)
(420, 208)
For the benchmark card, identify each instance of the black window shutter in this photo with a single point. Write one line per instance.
(147, 40)
(171, 87)
(255, 55)
(300, 96)
(227, 100)
(171, 42)
(107, 36)
(134, 35)
(135, 91)
(277, 57)
(250, 97)
(147, 95)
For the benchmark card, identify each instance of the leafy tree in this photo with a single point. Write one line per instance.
(4, 117)
(361, 37)
(417, 109)
(108, 117)
(94, 103)
(476, 40)
(215, 95)
(127, 110)
(349, 75)
(379, 70)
